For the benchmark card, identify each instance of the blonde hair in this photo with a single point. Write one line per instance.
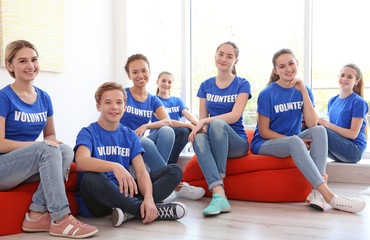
(107, 87)
(12, 49)
(159, 76)
(274, 77)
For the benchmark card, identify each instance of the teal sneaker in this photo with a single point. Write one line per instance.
(217, 205)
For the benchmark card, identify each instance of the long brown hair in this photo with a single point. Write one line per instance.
(359, 87)
(274, 77)
(236, 51)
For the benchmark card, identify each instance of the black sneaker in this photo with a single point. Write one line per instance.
(171, 211)
(118, 217)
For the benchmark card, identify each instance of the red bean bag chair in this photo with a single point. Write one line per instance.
(256, 178)
(15, 203)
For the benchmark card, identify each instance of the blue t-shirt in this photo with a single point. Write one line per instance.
(173, 106)
(284, 107)
(221, 101)
(341, 112)
(139, 113)
(121, 146)
(24, 122)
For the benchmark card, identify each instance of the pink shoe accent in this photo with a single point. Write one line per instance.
(72, 228)
(42, 224)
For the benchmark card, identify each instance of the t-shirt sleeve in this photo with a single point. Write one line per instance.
(84, 138)
(360, 108)
(181, 104)
(156, 103)
(310, 95)
(4, 105)
(245, 87)
(202, 91)
(264, 104)
(136, 147)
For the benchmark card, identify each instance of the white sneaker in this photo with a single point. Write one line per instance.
(316, 200)
(170, 198)
(118, 217)
(347, 204)
(190, 192)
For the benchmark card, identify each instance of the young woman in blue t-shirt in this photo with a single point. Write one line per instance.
(281, 106)
(220, 132)
(347, 111)
(25, 112)
(176, 109)
(141, 105)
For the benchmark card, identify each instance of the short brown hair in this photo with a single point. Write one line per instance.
(107, 87)
(13, 47)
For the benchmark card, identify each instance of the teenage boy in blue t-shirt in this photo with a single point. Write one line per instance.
(104, 151)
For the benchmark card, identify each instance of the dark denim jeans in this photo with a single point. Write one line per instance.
(181, 139)
(100, 194)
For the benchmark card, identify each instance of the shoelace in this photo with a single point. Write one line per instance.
(78, 223)
(166, 212)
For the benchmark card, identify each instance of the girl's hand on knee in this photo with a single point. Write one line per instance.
(51, 143)
(125, 180)
(307, 142)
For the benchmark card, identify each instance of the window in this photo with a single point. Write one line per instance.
(154, 30)
(257, 27)
(339, 37)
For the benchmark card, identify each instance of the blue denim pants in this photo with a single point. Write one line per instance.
(312, 164)
(213, 150)
(101, 194)
(158, 146)
(181, 139)
(342, 149)
(43, 162)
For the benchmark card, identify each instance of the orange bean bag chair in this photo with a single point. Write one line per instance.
(15, 203)
(256, 178)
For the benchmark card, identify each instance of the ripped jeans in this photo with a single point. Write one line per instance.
(43, 162)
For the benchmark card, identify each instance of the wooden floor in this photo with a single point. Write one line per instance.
(247, 220)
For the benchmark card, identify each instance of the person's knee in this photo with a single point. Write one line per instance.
(147, 143)
(175, 172)
(183, 131)
(92, 181)
(295, 142)
(217, 128)
(166, 131)
(319, 130)
(200, 141)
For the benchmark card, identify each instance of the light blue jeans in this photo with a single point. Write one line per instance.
(342, 149)
(158, 146)
(312, 164)
(43, 162)
(213, 150)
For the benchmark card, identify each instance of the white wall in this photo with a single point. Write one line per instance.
(89, 61)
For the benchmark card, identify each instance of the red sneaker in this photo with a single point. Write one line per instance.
(72, 228)
(42, 224)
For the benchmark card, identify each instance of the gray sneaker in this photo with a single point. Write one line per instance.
(171, 211)
(118, 217)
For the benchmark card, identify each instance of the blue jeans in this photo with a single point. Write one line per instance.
(42, 162)
(158, 146)
(181, 139)
(342, 149)
(213, 150)
(101, 194)
(312, 164)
